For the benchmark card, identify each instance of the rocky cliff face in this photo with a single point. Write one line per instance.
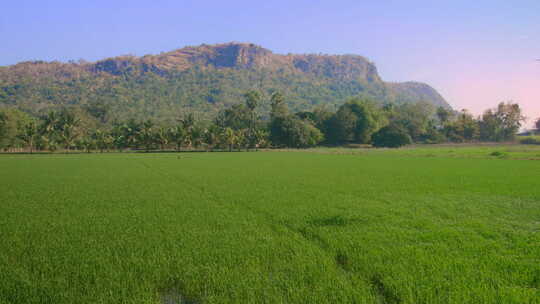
(245, 56)
(250, 56)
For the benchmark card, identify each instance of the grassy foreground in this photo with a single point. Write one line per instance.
(486, 151)
(269, 227)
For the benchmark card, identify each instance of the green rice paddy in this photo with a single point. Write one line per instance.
(335, 226)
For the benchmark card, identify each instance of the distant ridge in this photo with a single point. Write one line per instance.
(203, 79)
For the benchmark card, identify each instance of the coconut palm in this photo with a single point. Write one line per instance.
(252, 101)
(188, 123)
(87, 143)
(229, 138)
(67, 128)
(211, 136)
(68, 135)
(162, 137)
(261, 138)
(145, 134)
(177, 135)
(243, 139)
(48, 130)
(50, 122)
(29, 135)
(131, 132)
(102, 139)
(197, 136)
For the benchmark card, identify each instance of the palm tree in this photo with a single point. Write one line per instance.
(211, 136)
(197, 136)
(50, 122)
(108, 142)
(68, 135)
(162, 137)
(131, 131)
(29, 135)
(261, 138)
(87, 143)
(252, 101)
(146, 135)
(177, 135)
(188, 123)
(123, 135)
(243, 139)
(102, 139)
(67, 128)
(48, 130)
(229, 138)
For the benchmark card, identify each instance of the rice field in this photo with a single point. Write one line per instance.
(317, 226)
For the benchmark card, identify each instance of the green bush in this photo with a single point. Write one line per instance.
(530, 140)
(498, 154)
(391, 137)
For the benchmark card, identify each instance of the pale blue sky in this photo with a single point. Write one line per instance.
(476, 53)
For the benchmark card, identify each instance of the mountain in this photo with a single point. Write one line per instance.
(201, 79)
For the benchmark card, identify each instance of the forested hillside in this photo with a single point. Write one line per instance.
(201, 80)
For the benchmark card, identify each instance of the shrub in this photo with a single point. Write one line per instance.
(531, 140)
(498, 154)
(391, 137)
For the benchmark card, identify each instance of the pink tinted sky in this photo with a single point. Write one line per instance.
(479, 80)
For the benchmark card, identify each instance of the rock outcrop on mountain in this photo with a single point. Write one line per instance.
(202, 79)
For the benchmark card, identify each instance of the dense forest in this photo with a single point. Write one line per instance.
(202, 80)
(242, 126)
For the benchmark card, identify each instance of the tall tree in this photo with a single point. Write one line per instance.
(415, 118)
(29, 135)
(49, 130)
(291, 131)
(188, 123)
(356, 120)
(236, 117)
(196, 135)
(67, 128)
(12, 121)
(278, 116)
(253, 99)
(211, 136)
(463, 128)
(261, 138)
(278, 106)
(229, 138)
(86, 143)
(162, 137)
(4, 137)
(146, 134)
(242, 139)
(444, 115)
(178, 135)
(102, 139)
(501, 123)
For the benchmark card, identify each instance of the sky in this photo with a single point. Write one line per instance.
(475, 53)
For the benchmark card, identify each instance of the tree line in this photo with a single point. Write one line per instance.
(243, 126)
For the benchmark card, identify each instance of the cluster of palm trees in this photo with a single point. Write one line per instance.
(186, 134)
(55, 130)
(63, 130)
